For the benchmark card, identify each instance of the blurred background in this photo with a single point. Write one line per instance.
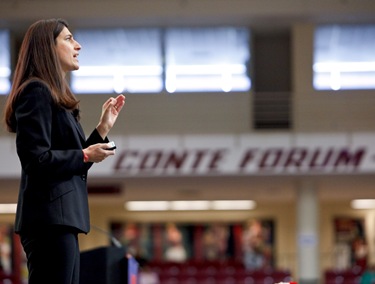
(246, 145)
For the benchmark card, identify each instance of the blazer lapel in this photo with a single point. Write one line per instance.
(78, 127)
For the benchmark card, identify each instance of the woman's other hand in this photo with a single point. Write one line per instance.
(110, 111)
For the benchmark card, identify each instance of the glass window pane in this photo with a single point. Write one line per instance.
(5, 71)
(118, 60)
(207, 59)
(344, 57)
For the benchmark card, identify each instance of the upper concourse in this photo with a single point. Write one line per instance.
(257, 13)
(289, 22)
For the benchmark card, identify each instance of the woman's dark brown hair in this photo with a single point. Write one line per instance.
(38, 60)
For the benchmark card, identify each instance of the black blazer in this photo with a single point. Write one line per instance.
(53, 180)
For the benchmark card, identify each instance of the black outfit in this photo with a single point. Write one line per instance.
(53, 255)
(53, 202)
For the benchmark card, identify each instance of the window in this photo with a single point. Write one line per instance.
(5, 71)
(118, 60)
(207, 59)
(152, 60)
(344, 57)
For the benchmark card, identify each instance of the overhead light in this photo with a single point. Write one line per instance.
(326, 67)
(5, 72)
(363, 203)
(190, 205)
(233, 204)
(147, 205)
(8, 208)
(206, 69)
(97, 71)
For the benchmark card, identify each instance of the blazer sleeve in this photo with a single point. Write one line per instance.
(93, 139)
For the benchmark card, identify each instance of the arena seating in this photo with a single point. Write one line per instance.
(215, 273)
(347, 276)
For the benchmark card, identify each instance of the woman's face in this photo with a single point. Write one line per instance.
(67, 51)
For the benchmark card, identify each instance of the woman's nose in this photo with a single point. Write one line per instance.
(78, 46)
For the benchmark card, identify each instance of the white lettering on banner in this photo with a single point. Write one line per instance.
(295, 160)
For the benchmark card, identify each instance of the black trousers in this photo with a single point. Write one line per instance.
(53, 255)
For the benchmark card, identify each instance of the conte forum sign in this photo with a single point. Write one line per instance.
(267, 154)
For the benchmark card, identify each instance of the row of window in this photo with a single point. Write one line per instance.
(344, 57)
(150, 60)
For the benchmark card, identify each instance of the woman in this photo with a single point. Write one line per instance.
(54, 154)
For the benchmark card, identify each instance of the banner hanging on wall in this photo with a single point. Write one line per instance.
(267, 154)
